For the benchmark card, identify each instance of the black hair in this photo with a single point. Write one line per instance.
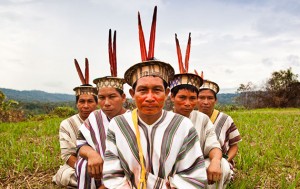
(164, 83)
(95, 98)
(215, 95)
(121, 92)
(188, 87)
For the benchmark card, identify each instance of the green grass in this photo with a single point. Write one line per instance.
(269, 155)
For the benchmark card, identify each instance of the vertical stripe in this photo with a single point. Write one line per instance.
(167, 142)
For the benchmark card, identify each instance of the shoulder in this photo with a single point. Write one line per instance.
(226, 116)
(183, 120)
(67, 121)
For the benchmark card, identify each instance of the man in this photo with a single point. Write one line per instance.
(150, 147)
(86, 102)
(92, 134)
(227, 132)
(184, 95)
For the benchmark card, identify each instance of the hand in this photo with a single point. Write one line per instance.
(214, 171)
(169, 186)
(95, 164)
(102, 187)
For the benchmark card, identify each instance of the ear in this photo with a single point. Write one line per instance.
(172, 98)
(131, 92)
(167, 92)
(123, 97)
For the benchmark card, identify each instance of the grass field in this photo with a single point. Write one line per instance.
(269, 155)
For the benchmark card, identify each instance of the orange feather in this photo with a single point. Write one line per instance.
(152, 35)
(79, 72)
(181, 69)
(187, 54)
(142, 39)
(87, 74)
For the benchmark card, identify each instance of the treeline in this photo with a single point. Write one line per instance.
(281, 90)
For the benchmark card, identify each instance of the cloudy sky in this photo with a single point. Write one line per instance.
(233, 41)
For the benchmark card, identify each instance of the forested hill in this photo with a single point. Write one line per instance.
(41, 96)
(226, 98)
(36, 96)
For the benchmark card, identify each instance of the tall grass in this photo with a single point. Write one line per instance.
(268, 157)
(29, 152)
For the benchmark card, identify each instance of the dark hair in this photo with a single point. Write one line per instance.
(188, 87)
(164, 83)
(121, 92)
(95, 98)
(215, 95)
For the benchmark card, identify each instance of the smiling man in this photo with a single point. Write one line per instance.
(150, 147)
(92, 134)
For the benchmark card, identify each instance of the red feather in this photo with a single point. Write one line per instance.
(152, 35)
(142, 39)
(196, 72)
(181, 69)
(115, 54)
(110, 52)
(187, 54)
(87, 74)
(79, 72)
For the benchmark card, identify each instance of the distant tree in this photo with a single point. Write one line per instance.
(9, 111)
(282, 89)
(279, 87)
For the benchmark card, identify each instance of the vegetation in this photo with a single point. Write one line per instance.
(281, 90)
(269, 155)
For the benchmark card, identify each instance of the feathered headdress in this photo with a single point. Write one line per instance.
(85, 88)
(184, 77)
(202, 76)
(112, 51)
(84, 80)
(113, 80)
(149, 65)
(183, 68)
(150, 55)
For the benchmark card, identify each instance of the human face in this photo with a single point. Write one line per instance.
(86, 104)
(206, 101)
(149, 96)
(184, 102)
(111, 102)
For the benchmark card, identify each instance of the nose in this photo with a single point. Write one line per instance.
(85, 105)
(106, 102)
(149, 97)
(187, 103)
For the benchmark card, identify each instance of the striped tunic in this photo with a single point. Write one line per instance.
(171, 151)
(227, 132)
(209, 141)
(67, 138)
(206, 132)
(92, 133)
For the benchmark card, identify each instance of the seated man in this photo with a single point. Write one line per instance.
(86, 102)
(92, 134)
(184, 95)
(150, 147)
(226, 131)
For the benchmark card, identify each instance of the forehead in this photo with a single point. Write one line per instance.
(206, 92)
(104, 91)
(149, 81)
(186, 92)
(85, 97)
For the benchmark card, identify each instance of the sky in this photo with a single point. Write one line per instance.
(233, 42)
